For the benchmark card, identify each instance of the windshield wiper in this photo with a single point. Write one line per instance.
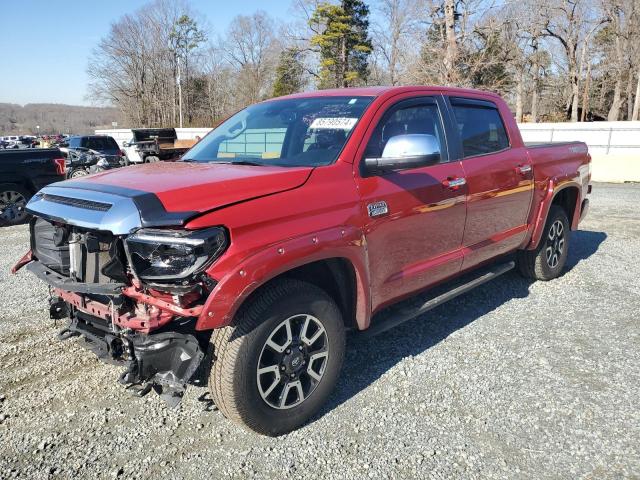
(235, 162)
(245, 162)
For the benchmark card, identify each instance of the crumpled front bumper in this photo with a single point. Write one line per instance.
(164, 362)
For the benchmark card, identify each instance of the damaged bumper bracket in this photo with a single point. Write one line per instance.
(163, 361)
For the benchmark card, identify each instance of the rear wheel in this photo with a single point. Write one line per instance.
(276, 365)
(547, 261)
(13, 200)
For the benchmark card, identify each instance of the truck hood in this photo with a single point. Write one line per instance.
(159, 194)
(200, 187)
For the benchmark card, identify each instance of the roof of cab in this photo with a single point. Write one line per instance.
(380, 90)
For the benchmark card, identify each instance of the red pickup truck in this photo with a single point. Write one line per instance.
(294, 221)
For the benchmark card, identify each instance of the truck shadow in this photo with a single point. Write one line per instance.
(367, 359)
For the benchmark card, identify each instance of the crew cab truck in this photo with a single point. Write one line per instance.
(295, 220)
(23, 173)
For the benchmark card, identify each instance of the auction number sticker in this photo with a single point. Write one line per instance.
(335, 123)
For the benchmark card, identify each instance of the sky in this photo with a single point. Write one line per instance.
(46, 44)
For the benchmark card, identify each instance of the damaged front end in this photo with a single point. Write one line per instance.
(134, 297)
(165, 361)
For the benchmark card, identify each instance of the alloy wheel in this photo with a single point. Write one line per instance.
(292, 361)
(12, 206)
(555, 243)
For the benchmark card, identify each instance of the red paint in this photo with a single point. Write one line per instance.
(283, 218)
(26, 258)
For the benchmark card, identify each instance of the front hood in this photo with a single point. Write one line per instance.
(200, 187)
(159, 194)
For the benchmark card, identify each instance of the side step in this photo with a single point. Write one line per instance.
(402, 312)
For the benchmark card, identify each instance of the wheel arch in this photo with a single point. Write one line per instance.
(566, 195)
(339, 270)
(567, 198)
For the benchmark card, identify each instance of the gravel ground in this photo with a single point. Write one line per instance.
(515, 379)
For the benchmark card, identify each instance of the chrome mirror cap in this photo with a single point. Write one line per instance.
(411, 145)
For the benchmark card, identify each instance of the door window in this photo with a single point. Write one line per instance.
(480, 127)
(405, 119)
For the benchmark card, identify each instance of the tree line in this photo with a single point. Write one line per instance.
(552, 60)
(54, 118)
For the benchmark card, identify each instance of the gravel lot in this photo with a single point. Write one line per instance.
(511, 380)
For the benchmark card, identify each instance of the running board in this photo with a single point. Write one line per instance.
(399, 314)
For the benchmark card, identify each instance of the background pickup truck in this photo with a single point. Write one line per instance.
(295, 220)
(23, 173)
(155, 144)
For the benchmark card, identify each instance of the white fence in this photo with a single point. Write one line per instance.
(601, 137)
(614, 146)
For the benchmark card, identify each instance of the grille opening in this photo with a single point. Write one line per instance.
(77, 202)
(97, 257)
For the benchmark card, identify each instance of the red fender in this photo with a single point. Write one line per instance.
(233, 289)
(553, 188)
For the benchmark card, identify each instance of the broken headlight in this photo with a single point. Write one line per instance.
(174, 255)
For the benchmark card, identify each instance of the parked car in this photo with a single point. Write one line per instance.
(100, 143)
(84, 162)
(23, 173)
(91, 153)
(155, 144)
(28, 141)
(295, 220)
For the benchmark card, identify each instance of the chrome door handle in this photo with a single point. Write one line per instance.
(524, 169)
(454, 183)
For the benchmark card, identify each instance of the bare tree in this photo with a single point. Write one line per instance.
(568, 22)
(251, 48)
(397, 23)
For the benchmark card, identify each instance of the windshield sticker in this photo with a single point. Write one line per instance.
(352, 101)
(336, 123)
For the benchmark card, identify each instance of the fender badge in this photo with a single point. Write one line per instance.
(377, 208)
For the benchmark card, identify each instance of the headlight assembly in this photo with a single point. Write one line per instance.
(174, 255)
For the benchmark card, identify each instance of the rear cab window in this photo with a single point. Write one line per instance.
(480, 126)
(100, 143)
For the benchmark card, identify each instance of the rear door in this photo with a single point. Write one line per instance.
(499, 180)
(415, 219)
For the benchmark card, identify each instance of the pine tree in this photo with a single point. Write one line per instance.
(344, 43)
(289, 73)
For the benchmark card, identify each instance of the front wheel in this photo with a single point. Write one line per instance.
(13, 201)
(276, 365)
(78, 172)
(547, 261)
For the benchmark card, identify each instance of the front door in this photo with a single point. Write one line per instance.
(415, 217)
(499, 180)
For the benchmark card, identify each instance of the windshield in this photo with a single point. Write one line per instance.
(289, 132)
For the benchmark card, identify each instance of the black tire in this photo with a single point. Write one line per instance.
(151, 159)
(538, 264)
(13, 199)
(238, 349)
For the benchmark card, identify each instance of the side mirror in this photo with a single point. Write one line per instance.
(406, 151)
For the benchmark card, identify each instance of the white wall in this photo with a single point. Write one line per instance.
(614, 146)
